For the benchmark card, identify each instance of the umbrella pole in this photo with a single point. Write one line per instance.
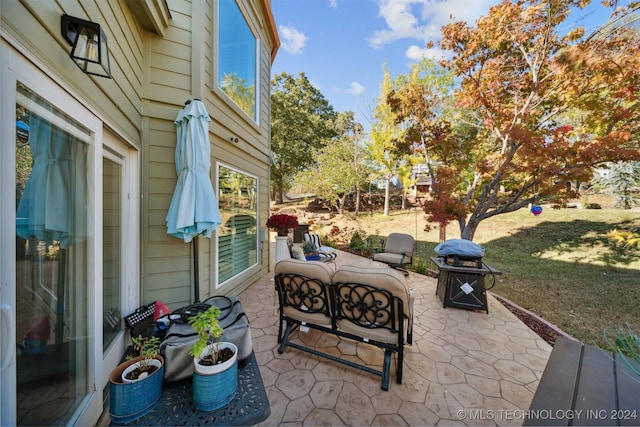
(196, 271)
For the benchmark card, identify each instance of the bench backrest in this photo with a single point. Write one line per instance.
(303, 291)
(372, 303)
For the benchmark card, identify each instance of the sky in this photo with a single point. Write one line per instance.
(343, 45)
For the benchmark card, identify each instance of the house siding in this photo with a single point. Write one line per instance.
(153, 76)
(181, 68)
(160, 56)
(36, 26)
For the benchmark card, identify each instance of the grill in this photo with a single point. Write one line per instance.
(462, 261)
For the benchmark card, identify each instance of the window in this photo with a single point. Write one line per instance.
(237, 236)
(237, 58)
(112, 170)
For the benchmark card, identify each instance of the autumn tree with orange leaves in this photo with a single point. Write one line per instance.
(535, 110)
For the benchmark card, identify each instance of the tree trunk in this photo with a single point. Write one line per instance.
(386, 196)
(468, 230)
(442, 231)
(357, 208)
(341, 201)
(278, 190)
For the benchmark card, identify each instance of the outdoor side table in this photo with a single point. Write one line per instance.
(462, 286)
(585, 385)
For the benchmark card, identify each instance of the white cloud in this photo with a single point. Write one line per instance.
(355, 89)
(292, 40)
(417, 53)
(400, 20)
(333, 4)
(423, 19)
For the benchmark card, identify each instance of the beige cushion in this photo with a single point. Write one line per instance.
(297, 253)
(389, 258)
(318, 270)
(322, 273)
(396, 244)
(389, 279)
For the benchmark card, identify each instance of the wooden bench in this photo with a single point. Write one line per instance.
(584, 385)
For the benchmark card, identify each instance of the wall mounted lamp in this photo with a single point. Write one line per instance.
(88, 43)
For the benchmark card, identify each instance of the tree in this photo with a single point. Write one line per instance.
(242, 93)
(423, 104)
(518, 79)
(385, 134)
(339, 170)
(403, 171)
(622, 180)
(302, 121)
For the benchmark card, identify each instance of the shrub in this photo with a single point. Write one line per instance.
(626, 346)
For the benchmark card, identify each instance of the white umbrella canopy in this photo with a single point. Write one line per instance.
(194, 208)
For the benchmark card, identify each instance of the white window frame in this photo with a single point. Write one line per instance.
(231, 280)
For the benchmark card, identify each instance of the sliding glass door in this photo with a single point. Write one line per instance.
(69, 251)
(52, 239)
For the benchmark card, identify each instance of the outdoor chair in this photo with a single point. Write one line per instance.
(397, 251)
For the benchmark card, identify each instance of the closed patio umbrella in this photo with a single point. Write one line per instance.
(194, 208)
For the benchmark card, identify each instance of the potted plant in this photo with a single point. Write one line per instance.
(130, 400)
(147, 349)
(215, 376)
(310, 251)
(282, 223)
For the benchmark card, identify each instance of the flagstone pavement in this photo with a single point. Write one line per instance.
(464, 367)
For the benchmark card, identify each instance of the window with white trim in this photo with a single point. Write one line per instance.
(237, 58)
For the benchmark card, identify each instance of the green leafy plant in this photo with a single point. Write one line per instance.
(148, 348)
(626, 345)
(309, 247)
(205, 323)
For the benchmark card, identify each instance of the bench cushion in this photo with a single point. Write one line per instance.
(318, 270)
(383, 278)
(306, 299)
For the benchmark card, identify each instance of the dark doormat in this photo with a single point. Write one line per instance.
(249, 406)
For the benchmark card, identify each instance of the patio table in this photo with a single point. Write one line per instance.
(462, 286)
(249, 406)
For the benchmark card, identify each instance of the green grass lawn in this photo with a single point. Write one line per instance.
(560, 265)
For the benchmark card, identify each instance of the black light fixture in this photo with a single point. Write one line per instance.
(89, 45)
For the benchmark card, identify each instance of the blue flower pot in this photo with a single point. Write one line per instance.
(215, 390)
(211, 392)
(130, 401)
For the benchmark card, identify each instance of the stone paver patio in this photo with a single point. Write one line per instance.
(464, 367)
